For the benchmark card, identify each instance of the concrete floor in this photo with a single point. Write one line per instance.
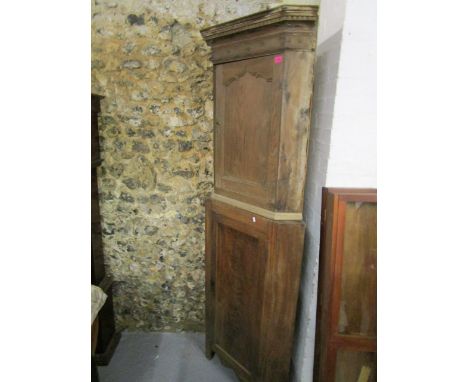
(163, 357)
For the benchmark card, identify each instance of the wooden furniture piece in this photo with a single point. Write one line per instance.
(346, 334)
(263, 72)
(94, 338)
(107, 337)
(97, 256)
(253, 267)
(263, 92)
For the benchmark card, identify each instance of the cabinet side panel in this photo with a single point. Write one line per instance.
(323, 354)
(286, 241)
(295, 127)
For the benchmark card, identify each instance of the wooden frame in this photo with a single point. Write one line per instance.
(328, 340)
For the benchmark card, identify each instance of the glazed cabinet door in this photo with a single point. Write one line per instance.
(347, 312)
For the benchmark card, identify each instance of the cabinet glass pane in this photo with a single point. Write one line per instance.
(353, 366)
(358, 305)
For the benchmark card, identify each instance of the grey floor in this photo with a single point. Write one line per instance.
(163, 357)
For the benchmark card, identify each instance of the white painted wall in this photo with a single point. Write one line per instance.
(331, 20)
(353, 151)
(343, 139)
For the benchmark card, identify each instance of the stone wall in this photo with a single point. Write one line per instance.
(152, 65)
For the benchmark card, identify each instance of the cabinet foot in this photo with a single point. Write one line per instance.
(209, 353)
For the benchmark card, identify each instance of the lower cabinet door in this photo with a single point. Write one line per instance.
(252, 279)
(240, 273)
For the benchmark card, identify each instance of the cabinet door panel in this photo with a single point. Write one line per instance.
(246, 133)
(358, 303)
(240, 269)
(248, 103)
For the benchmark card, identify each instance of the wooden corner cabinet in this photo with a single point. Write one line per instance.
(263, 70)
(263, 74)
(346, 331)
(253, 267)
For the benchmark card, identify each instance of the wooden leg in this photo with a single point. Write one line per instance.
(94, 335)
(209, 284)
(94, 371)
(209, 353)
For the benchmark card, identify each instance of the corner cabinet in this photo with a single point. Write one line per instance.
(346, 330)
(253, 267)
(263, 78)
